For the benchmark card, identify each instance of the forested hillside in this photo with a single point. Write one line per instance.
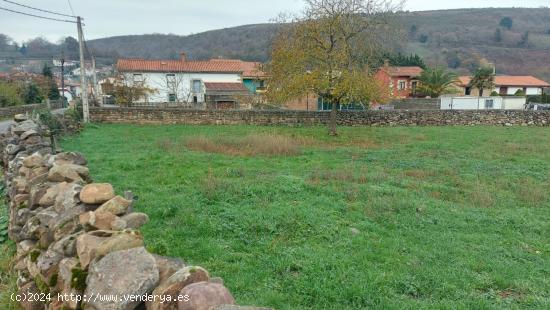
(516, 40)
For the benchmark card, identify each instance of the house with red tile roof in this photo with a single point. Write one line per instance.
(215, 83)
(506, 85)
(401, 82)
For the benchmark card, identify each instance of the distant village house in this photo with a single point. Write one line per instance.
(215, 83)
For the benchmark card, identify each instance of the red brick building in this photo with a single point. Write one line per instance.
(401, 82)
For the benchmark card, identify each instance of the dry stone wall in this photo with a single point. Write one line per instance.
(304, 118)
(79, 244)
(10, 112)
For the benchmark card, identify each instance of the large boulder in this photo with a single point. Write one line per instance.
(169, 289)
(122, 273)
(204, 296)
(68, 173)
(97, 193)
(117, 206)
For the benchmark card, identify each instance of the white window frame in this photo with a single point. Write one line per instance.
(201, 87)
(137, 78)
(401, 82)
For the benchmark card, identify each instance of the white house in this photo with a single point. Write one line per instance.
(215, 81)
(507, 85)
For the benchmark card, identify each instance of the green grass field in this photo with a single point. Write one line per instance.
(392, 218)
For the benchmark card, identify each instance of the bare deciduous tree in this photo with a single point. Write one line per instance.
(327, 49)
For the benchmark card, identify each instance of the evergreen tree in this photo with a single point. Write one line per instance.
(507, 22)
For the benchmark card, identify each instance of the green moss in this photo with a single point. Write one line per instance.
(41, 285)
(33, 255)
(53, 280)
(23, 205)
(78, 279)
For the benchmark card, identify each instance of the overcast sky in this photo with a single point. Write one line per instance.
(106, 18)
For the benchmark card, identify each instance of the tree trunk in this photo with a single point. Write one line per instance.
(332, 122)
(481, 92)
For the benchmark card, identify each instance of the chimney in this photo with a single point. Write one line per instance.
(183, 57)
(386, 63)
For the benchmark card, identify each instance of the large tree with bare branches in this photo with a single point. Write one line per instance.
(327, 49)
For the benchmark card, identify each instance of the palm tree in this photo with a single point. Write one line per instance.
(484, 78)
(435, 82)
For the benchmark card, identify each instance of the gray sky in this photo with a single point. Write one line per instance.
(106, 18)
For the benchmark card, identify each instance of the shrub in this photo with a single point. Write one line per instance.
(495, 94)
(519, 93)
(9, 95)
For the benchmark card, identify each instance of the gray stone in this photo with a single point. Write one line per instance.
(24, 126)
(128, 272)
(28, 290)
(67, 196)
(135, 220)
(70, 158)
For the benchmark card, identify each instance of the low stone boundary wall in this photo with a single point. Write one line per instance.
(10, 112)
(79, 244)
(299, 118)
(415, 104)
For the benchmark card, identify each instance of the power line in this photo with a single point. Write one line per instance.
(37, 16)
(37, 9)
(71, 7)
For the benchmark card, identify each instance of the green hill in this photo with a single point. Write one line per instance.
(460, 39)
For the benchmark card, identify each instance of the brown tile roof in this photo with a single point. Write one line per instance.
(510, 80)
(225, 87)
(403, 71)
(213, 66)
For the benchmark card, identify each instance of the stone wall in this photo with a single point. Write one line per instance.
(415, 104)
(299, 118)
(79, 244)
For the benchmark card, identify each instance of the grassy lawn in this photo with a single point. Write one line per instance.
(393, 218)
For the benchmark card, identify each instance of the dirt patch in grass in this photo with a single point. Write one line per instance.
(249, 145)
(532, 193)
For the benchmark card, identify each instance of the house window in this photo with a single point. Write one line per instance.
(489, 103)
(138, 79)
(172, 97)
(402, 85)
(197, 86)
(468, 91)
(195, 99)
(171, 81)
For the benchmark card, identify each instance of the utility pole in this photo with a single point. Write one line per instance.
(62, 81)
(83, 86)
(95, 86)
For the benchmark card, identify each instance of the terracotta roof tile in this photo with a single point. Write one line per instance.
(510, 80)
(403, 71)
(213, 65)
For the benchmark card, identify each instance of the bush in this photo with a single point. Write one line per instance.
(9, 95)
(495, 94)
(519, 93)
